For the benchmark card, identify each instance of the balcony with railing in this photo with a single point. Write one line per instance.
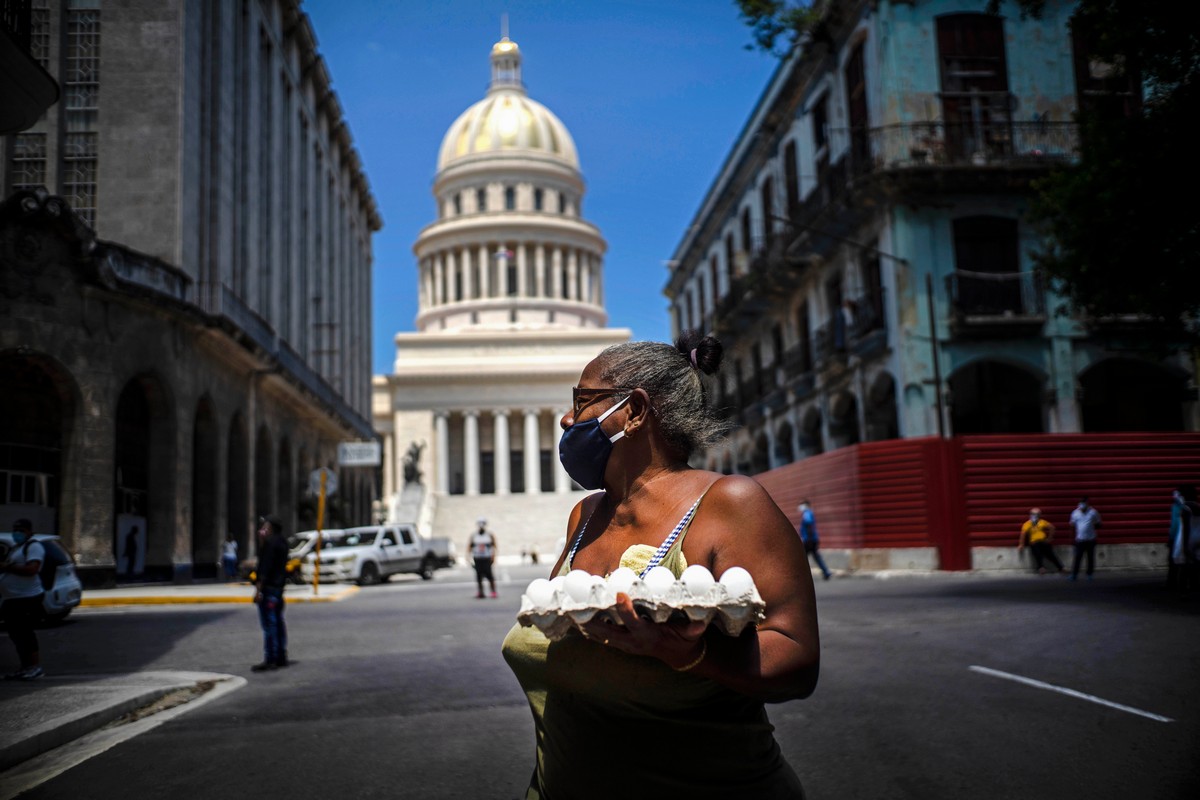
(995, 303)
(971, 144)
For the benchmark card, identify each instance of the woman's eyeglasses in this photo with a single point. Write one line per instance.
(582, 398)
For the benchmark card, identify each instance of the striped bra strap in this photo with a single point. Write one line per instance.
(663, 548)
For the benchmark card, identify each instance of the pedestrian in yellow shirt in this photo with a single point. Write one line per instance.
(1038, 534)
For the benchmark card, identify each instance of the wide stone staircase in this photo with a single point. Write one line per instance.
(520, 522)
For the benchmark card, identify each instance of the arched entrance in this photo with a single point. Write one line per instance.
(264, 476)
(285, 494)
(37, 409)
(993, 397)
(760, 460)
(784, 454)
(810, 434)
(237, 484)
(881, 419)
(144, 480)
(843, 420)
(206, 534)
(1127, 395)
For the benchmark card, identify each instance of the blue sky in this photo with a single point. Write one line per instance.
(653, 93)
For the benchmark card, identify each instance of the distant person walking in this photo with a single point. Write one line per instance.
(1086, 520)
(1183, 541)
(808, 535)
(268, 593)
(1038, 534)
(21, 589)
(229, 556)
(482, 547)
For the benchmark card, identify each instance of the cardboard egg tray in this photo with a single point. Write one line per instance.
(717, 607)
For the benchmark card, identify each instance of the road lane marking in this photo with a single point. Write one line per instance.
(1069, 692)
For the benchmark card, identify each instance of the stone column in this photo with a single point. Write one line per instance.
(572, 275)
(485, 272)
(539, 268)
(389, 464)
(441, 426)
(562, 481)
(556, 285)
(522, 278)
(464, 264)
(471, 450)
(502, 450)
(533, 471)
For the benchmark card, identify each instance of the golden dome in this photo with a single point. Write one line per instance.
(507, 121)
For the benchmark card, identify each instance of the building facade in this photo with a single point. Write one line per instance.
(186, 260)
(865, 251)
(511, 308)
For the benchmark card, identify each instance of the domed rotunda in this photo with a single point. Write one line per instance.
(510, 311)
(509, 247)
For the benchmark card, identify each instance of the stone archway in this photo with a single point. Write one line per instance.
(144, 478)
(1120, 394)
(237, 484)
(995, 397)
(811, 443)
(784, 454)
(843, 420)
(37, 453)
(880, 412)
(206, 532)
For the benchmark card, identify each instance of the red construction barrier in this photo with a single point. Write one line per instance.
(969, 491)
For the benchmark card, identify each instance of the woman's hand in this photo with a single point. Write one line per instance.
(676, 644)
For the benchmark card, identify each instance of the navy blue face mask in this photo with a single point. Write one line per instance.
(584, 450)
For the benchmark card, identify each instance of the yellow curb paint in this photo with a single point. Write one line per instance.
(164, 600)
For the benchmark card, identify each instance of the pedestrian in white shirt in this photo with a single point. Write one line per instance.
(1086, 520)
(21, 588)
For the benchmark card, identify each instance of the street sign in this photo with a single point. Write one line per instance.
(314, 480)
(359, 454)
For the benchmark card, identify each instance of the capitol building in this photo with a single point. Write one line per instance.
(511, 309)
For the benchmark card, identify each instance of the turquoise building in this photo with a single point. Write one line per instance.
(866, 252)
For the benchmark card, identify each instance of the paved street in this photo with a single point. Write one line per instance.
(400, 691)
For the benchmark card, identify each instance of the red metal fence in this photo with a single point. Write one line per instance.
(970, 491)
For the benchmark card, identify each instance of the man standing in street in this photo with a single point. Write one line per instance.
(1086, 520)
(21, 588)
(808, 535)
(1038, 533)
(482, 547)
(268, 593)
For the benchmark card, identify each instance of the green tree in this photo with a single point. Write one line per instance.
(1121, 228)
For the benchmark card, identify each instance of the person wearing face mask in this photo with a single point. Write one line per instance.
(21, 589)
(1086, 520)
(665, 709)
(1038, 533)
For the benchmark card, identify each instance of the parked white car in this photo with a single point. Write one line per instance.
(66, 591)
(374, 553)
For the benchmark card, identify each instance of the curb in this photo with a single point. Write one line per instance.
(92, 601)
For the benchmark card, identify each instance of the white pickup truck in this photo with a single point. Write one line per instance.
(374, 553)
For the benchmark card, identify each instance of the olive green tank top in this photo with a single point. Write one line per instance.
(609, 724)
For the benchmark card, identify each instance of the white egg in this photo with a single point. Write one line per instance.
(697, 579)
(737, 581)
(621, 580)
(658, 580)
(578, 585)
(540, 592)
(559, 583)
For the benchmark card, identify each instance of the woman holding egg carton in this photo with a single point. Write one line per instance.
(634, 707)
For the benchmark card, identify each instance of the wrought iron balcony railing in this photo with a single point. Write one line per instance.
(995, 294)
(992, 143)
